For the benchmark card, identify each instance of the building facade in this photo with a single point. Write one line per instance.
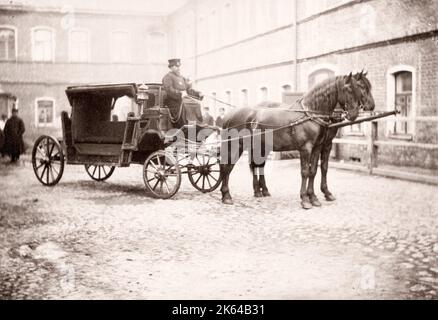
(45, 49)
(245, 51)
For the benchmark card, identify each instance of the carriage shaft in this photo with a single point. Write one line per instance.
(349, 123)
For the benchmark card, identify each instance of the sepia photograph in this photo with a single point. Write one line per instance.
(246, 150)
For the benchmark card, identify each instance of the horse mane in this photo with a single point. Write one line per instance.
(324, 94)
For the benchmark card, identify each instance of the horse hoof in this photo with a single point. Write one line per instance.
(266, 193)
(306, 205)
(258, 194)
(227, 201)
(315, 202)
(330, 197)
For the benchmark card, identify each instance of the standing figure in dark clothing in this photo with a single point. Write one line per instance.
(2, 135)
(14, 130)
(176, 86)
(220, 119)
(208, 119)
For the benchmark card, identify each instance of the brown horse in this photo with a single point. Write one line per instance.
(289, 129)
(365, 86)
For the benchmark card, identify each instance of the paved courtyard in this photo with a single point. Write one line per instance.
(84, 239)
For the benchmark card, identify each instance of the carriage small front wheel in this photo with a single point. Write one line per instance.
(48, 160)
(99, 172)
(204, 173)
(162, 175)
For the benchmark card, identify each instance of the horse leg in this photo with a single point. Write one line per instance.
(305, 164)
(265, 191)
(325, 154)
(255, 180)
(225, 170)
(312, 173)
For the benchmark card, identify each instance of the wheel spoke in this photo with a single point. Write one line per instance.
(51, 150)
(56, 171)
(104, 171)
(44, 170)
(99, 171)
(198, 179)
(47, 174)
(208, 180)
(94, 171)
(213, 177)
(40, 151)
(37, 168)
(203, 182)
(51, 173)
(167, 186)
(158, 181)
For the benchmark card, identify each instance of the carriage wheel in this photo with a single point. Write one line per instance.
(162, 175)
(48, 160)
(99, 172)
(204, 173)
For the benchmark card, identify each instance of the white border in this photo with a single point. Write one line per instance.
(32, 36)
(390, 95)
(37, 124)
(70, 44)
(11, 27)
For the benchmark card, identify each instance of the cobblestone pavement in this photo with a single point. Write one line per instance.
(84, 239)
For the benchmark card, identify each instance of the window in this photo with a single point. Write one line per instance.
(286, 92)
(264, 94)
(157, 47)
(403, 99)
(213, 94)
(45, 112)
(7, 44)
(79, 46)
(43, 44)
(122, 107)
(244, 97)
(121, 50)
(319, 75)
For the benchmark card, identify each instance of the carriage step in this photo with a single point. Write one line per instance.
(128, 146)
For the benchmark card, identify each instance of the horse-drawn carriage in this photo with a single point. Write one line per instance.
(93, 138)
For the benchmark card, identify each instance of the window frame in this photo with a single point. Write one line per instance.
(43, 125)
(113, 46)
(70, 44)
(53, 46)
(260, 92)
(15, 29)
(390, 102)
(241, 102)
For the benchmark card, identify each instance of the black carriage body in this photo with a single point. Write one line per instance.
(91, 137)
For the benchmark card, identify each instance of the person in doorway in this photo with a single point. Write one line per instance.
(220, 119)
(208, 119)
(14, 130)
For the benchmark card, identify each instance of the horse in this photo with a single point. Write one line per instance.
(292, 129)
(365, 86)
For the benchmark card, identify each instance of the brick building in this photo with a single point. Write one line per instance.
(245, 51)
(241, 51)
(47, 46)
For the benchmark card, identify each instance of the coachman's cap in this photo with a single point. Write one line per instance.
(174, 63)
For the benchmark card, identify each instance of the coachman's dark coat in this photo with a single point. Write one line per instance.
(14, 130)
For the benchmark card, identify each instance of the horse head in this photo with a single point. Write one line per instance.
(350, 97)
(365, 88)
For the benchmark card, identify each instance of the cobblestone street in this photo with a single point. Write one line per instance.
(84, 239)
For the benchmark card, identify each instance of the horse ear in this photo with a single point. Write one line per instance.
(349, 77)
(365, 74)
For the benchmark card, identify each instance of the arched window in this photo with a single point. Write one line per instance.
(319, 75)
(244, 97)
(403, 99)
(401, 93)
(7, 43)
(264, 94)
(43, 44)
(79, 44)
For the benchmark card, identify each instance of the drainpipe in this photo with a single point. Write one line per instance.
(195, 35)
(295, 44)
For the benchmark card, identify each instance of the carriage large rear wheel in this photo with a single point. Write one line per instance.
(48, 160)
(99, 172)
(204, 173)
(162, 175)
